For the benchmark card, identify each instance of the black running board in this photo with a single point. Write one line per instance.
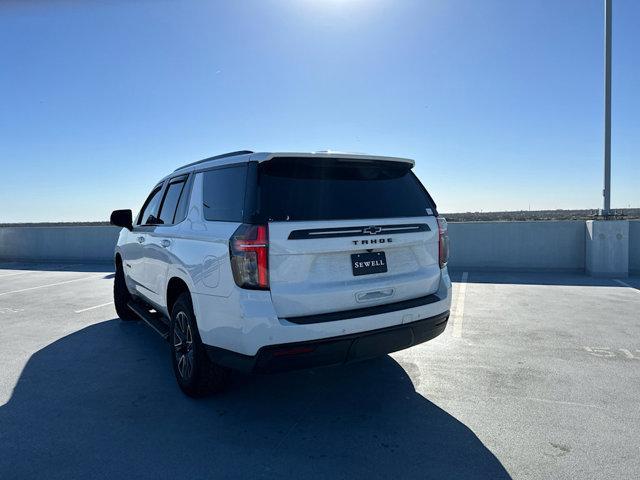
(154, 319)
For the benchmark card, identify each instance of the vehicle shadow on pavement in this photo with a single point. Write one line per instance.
(102, 402)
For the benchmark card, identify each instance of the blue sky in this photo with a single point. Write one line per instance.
(500, 102)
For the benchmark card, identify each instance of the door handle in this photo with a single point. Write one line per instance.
(165, 243)
(375, 295)
(140, 239)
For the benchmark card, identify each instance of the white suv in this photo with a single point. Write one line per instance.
(268, 262)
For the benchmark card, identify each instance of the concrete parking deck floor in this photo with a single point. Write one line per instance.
(537, 376)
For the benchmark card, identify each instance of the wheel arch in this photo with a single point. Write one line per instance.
(176, 286)
(117, 259)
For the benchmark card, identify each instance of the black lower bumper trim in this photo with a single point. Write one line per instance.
(365, 311)
(332, 351)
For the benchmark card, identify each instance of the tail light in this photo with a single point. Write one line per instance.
(249, 251)
(443, 242)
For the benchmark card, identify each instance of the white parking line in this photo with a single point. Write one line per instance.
(48, 285)
(93, 308)
(624, 284)
(544, 400)
(458, 308)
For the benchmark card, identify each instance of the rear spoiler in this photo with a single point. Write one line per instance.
(263, 156)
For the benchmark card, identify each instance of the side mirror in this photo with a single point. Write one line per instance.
(122, 218)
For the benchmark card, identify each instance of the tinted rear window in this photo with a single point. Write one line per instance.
(170, 202)
(181, 210)
(223, 193)
(294, 189)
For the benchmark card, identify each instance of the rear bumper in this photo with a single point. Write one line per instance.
(332, 351)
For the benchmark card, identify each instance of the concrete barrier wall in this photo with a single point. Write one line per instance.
(550, 246)
(634, 247)
(558, 246)
(53, 244)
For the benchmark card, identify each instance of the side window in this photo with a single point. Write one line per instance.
(170, 201)
(223, 193)
(150, 208)
(183, 204)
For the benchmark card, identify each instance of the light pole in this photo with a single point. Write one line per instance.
(607, 109)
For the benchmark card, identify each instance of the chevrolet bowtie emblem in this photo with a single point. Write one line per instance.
(372, 230)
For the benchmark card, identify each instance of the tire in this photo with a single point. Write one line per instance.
(121, 295)
(195, 373)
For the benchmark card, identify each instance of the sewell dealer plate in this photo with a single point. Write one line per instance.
(368, 263)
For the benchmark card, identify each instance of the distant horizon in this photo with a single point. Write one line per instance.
(500, 103)
(633, 215)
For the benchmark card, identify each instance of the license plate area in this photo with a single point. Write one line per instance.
(368, 263)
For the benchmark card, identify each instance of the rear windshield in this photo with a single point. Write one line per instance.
(294, 189)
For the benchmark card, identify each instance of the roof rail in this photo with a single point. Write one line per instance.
(223, 155)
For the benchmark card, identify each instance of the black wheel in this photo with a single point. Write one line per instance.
(196, 374)
(121, 295)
